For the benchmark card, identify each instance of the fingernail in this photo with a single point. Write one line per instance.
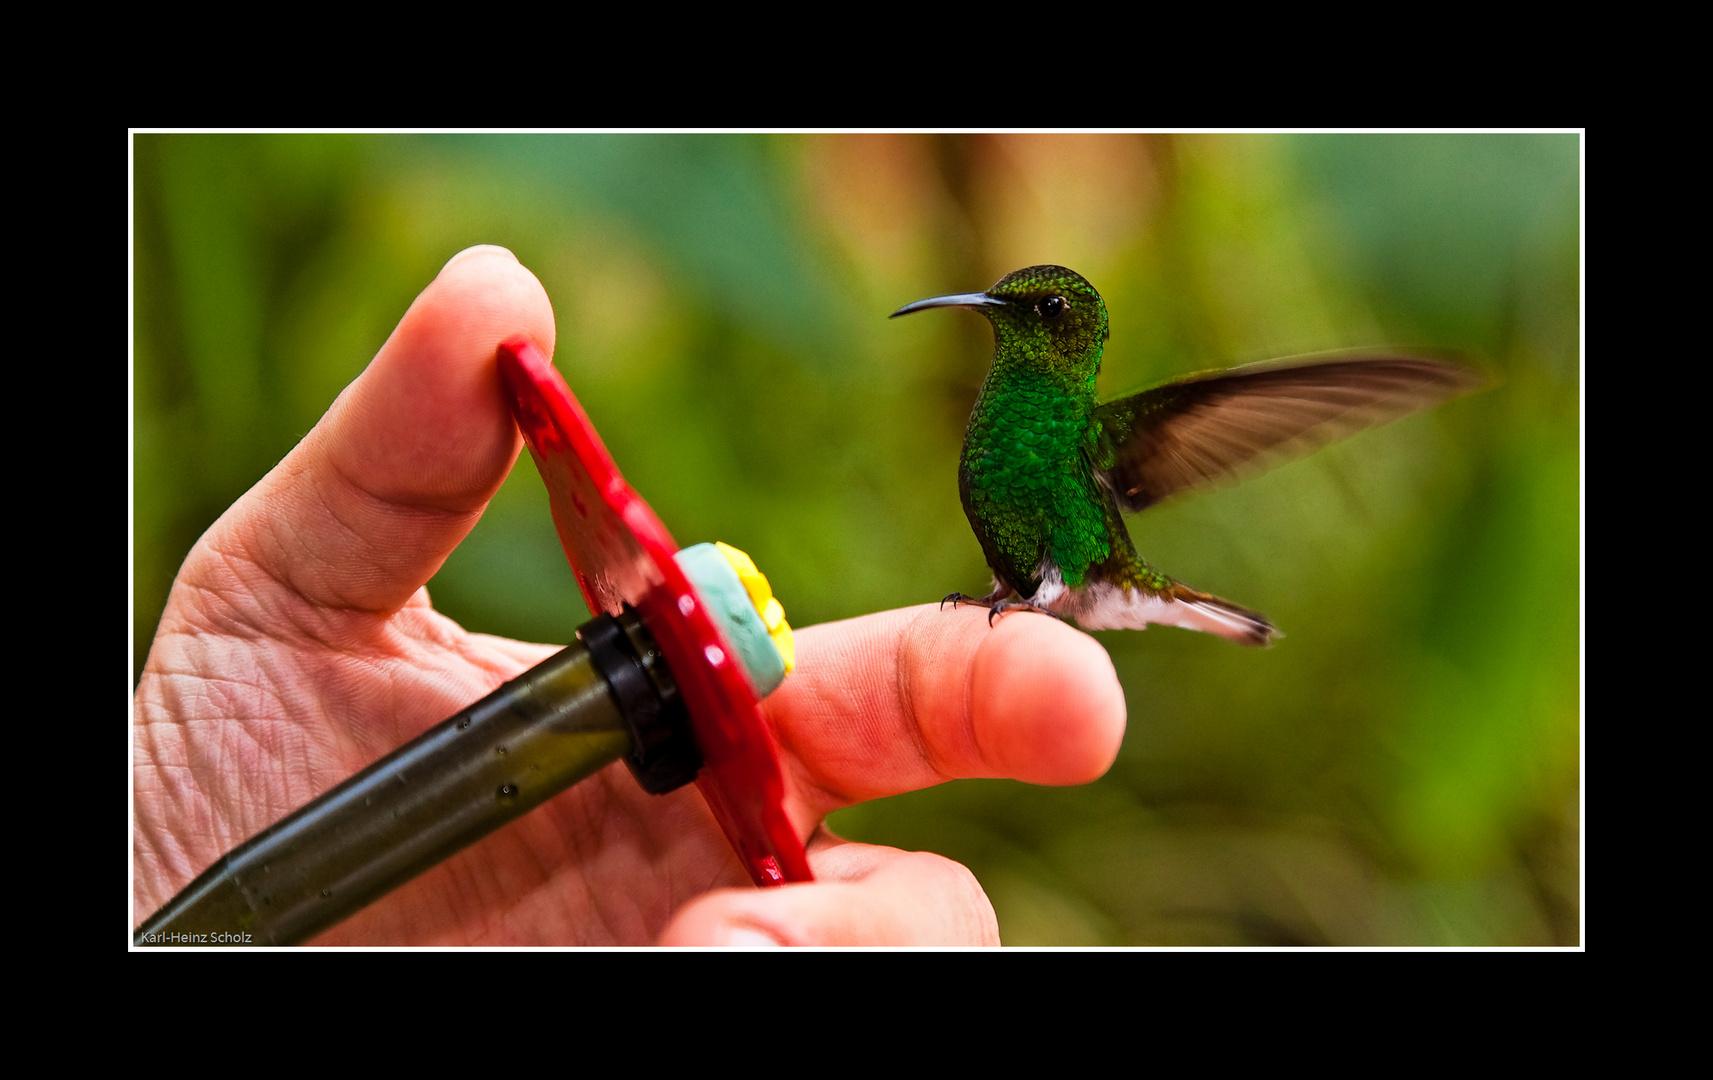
(748, 937)
(479, 249)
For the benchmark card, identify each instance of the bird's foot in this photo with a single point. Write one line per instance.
(997, 604)
(1005, 606)
(957, 598)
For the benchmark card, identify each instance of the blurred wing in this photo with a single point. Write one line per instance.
(1230, 424)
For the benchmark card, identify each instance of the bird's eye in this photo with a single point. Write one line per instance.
(1051, 308)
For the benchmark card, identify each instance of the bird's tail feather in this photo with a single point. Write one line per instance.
(1222, 617)
(1104, 606)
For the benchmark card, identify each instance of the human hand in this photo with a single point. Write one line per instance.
(299, 645)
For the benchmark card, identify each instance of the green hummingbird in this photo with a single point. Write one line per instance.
(1047, 474)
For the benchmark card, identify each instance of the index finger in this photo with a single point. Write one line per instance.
(906, 699)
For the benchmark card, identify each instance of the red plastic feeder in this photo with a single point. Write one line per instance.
(622, 554)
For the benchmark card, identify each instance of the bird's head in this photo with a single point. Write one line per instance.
(1044, 317)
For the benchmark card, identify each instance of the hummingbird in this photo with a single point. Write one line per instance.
(1046, 474)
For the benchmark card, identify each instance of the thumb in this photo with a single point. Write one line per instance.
(370, 503)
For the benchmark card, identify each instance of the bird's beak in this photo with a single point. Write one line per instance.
(969, 300)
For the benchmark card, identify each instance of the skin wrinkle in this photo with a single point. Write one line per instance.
(424, 913)
(185, 852)
(963, 727)
(237, 747)
(210, 599)
(420, 632)
(302, 546)
(683, 886)
(261, 617)
(700, 868)
(219, 694)
(427, 912)
(574, 811)
(377, 547)
(282, 541)
(255, 755)
(158, 843)
(473, 477)
(825, 714)
(167, 732)
(303, 585)
(627, 843)
(478, 503)
(381, 653)
(569, 896)
(309, 696)
(430, 912)
(583, 824)
(477, 474)
(358, 518)
(870, 732)
(864, 717)
(673, 837)
(495, 663)
(521, 653)
(605, 905)
(536, 873)
(904, 689)
(903, 695)
(467, 897)
(967, 705)
(337, 693)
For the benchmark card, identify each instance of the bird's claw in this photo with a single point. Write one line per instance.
(996, 606)
(1005, 606)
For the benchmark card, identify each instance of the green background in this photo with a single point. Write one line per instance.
(1404, 768)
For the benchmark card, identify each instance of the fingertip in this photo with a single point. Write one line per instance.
(488, 290)
(901, 898)
(1046, 700)
(727, 918)
(484, 290)
(426, 424)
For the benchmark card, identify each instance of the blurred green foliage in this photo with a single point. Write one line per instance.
(1403, 769)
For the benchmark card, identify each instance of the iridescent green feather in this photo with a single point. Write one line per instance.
(1026, 474)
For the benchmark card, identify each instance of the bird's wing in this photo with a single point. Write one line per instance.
(1235, 423)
